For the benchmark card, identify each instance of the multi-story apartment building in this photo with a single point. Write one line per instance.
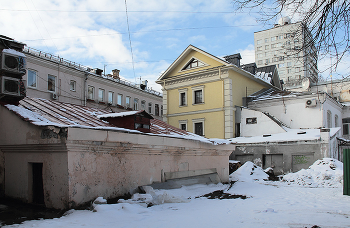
(51, 77)
(290, 47)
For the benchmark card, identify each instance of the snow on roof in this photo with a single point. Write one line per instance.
(265, 76)
(118, 114)
(290, 135)
(42, 112)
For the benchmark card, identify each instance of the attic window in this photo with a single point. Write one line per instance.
(193, 64)
(251, 120)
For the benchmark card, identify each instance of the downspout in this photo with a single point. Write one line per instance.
(85, 87)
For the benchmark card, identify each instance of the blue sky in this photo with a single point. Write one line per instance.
(95, 33)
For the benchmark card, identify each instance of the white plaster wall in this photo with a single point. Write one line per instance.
(293, 111)
(264, 124)
(335, 110)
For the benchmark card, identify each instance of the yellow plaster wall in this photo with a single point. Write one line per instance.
(194, 54)
(242, 86)
(213, 123)
(213, 98)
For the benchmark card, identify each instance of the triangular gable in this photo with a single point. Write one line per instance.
(184, 55)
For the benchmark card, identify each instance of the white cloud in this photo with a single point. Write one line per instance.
(247, 54)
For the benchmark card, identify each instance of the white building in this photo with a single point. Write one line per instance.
(289, 46)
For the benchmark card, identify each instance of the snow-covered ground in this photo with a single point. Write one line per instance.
(268, 204)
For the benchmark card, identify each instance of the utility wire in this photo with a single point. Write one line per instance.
(132, 54)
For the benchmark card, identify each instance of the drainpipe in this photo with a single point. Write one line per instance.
(85, 87)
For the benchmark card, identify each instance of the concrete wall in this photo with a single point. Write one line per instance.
(116, 163)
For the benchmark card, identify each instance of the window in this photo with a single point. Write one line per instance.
(280, 37)
(260, 55)
(329, 119)
(51, 83)
(260, 62)
(127, 102)
(120, 99)
(182, 97)
(289, 64)
(31, 78)
(336, 121)
(281, 58)
(296, 40)
(259, 48)
(73, 85)
(266, 61)
(156, 109)
(161, 110)
(101, 95)
(193, 63)
(273, 38)
(251, 120)
(273, 45)
(136, 104)
(110, 97)
(280, 65)
(143, 105)
(266, 40)
(266, 47)
(346, 123)
(198, 94)
(150, 108)
(289, 71)
(198, 126)
(183, 125)
(91, 92)
(258, 42)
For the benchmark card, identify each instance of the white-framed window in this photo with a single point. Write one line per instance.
(150, 108)
(120, 99)
(156, 109)
(289, 64)
(280, 65)
(51, 83)
(101, 95)
(266, 47)
(143, 105)
(182, 97)
(198, 94)
(259, 48)
(266, 40)
(110, 97)
(198, 126)
(258, 42)
(329, 119)
(127, 102)
(183, 125)
(91, 93)
(273, 38)
(73, 85)
(273, 45)
(297, 69)
(193, 63)
(260, 55)
(136, 104)
(289, 71)
(32, 78)
(346, 123)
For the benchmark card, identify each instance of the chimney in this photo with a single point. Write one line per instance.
(234, 59)
(251, 67)
(116, 74)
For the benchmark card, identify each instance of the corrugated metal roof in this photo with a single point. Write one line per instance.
(66, 114)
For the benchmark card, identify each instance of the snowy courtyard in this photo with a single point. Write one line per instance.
(309, 198)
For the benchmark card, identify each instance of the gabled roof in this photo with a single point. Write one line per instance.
(42, 112)
(122, 114)
(184, 54)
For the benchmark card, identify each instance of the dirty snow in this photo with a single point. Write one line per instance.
(268, 204)
(327, 172)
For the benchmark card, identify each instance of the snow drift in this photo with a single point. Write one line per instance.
(327, 172)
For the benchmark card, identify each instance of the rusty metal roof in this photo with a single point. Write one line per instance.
(66, 114)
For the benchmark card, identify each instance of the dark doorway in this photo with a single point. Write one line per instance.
(38, 186)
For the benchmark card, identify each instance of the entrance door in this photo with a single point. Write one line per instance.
(38, 186)
(274, 161)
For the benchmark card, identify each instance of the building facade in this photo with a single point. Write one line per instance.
(289, 46)
(54, 78)
(201, 92)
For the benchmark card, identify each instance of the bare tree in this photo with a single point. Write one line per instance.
(327, 20)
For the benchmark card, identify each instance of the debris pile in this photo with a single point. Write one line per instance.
(327, 172)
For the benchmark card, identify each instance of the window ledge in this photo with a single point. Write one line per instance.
(198, 103)
(182, 106)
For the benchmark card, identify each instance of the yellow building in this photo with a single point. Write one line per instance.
(201, 91)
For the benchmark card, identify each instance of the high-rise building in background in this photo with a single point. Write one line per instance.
(290, 47)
